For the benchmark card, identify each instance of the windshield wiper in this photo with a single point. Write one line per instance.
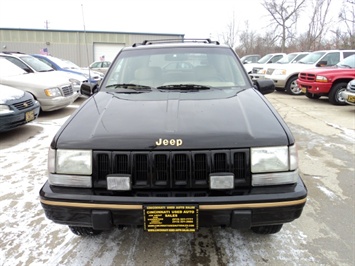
(183, 87)
(129, 86)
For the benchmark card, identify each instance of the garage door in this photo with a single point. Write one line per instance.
(106, 50)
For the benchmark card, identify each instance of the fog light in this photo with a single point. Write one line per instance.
(119, 182)
(221, 181)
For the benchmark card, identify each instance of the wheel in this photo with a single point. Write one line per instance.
(292, 88)
(84, 231)
(267, 229)
(335, 93)
(312, 96)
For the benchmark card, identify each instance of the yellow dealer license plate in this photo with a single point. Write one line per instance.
(170, 218)
(351, 99)
(303, 89)
(30, 116)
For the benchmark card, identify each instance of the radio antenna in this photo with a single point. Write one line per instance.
(86, 44)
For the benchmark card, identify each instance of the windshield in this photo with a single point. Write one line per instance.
(163, 67)
(264, 59)
(312, 58)
(286, 59)
(348, 62)
(8, 69)
(36, 64)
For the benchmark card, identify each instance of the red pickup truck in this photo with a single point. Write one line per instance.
(328, 81)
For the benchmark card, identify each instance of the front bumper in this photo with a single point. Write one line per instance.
(280, 82)
(51, 104)
(256, 207)
(349, 97)
(314, 87)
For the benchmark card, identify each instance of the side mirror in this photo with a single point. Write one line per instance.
(88, 89)
(264, 86)
(321, 64)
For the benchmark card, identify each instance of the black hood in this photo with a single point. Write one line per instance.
(212, 119)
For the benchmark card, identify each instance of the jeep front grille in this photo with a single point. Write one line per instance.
(183, 170)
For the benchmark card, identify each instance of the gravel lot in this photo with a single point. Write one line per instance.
(324, 235)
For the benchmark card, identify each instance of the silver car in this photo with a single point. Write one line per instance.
(349, 94)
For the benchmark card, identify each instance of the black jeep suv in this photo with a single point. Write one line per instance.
(176, 137)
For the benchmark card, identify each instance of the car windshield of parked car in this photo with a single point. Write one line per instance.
(286, 59)
(312, 58)
(347, 62)
(70, 65)
(36, 64)
(264, 59)
(166, 66)
(8, 69)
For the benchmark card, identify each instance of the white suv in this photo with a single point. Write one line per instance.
(285, 76)
(258, 72)
(266, 59)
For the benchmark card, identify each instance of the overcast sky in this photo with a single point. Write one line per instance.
(194, 18)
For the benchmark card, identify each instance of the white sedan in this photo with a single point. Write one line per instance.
(52, 91)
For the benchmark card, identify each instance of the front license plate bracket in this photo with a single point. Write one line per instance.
(170, 218)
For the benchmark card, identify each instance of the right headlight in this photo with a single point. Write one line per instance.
(274, 165)
(53, 92)
(71, 168)
(5, 109)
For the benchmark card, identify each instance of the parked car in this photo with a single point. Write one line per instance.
(266, 59)
(100, 66)
(349, 94)
(17, 108)
(259, 71)
(69, 67)
(328, 81)
(31, 64)
(52, 92)
(285, 76)
(173, 150)
(251, 58)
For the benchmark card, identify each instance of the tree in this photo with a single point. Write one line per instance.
(318, 25)
(230, 36)
(284, 15)
(347, 18)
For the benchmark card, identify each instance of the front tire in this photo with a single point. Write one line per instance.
(292, 87)
(335, 94)
(267, 229)
(84, 231)
(312, 96)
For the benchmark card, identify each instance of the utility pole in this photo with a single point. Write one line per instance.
(46, 24)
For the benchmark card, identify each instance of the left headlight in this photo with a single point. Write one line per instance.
(74, 82)
(280, 72)
(274, 165)
(70, 167)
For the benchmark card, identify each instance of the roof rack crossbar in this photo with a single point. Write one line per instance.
(184, 40)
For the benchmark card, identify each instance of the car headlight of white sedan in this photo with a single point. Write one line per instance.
(53, 92)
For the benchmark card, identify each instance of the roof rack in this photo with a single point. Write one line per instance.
(150, 42)
(11, 52)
